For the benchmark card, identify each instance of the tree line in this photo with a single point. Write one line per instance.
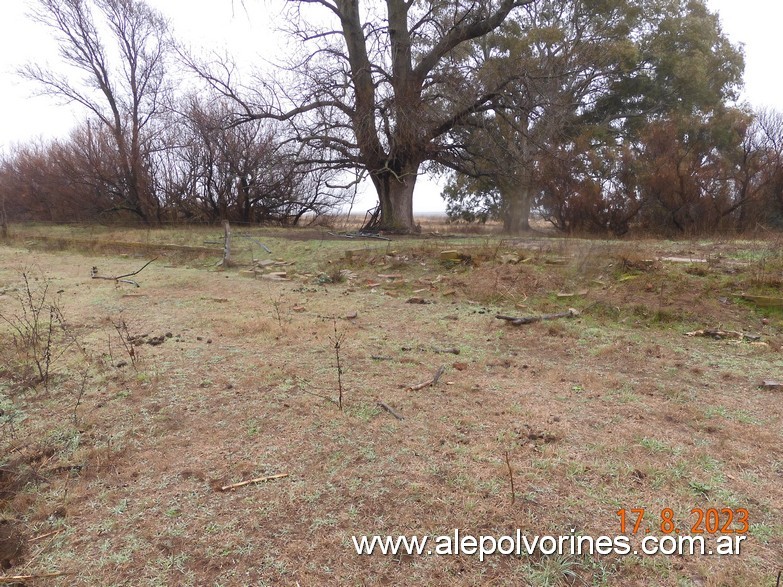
(599, 115)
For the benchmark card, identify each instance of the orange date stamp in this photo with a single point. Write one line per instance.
(700, 521)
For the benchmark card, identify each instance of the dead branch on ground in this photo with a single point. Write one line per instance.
(120, 278)
(391, 411)
(42, 536)
(517, 321)
(13, 579)
(452, 351)
(718, 334)
(252, 481)
(429, 383)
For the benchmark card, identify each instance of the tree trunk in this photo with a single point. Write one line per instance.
(516, 213)
(395, 194)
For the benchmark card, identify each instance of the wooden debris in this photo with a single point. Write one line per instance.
(276, 276)
(572, 294)
(120, 278)
(390, 276)
(429, 383)
(390, 410)
(516, 321)
(682, 260)
(452, 351)
(771, 384)
(13, 579)
(720, 334)
(42, 536)
(252, 481)
(417, 300)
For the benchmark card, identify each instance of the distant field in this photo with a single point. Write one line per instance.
(158, 396)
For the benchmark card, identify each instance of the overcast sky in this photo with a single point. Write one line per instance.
(223, 24)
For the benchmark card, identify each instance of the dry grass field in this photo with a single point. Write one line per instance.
(124, 410)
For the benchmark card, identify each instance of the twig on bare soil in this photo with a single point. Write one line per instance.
(391, 411)
(11, 579)
(453, 350)
(719, 334)
(42, 536)
(252, 481)
(516, 321)
(511, 478)
(429, 383)
(121, 278)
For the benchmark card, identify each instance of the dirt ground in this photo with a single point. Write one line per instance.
(158, 396)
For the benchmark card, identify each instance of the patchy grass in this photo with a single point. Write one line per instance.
(110, 474)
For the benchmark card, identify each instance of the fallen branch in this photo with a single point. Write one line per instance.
(453, 351)
(120, 278)
(252, 481)
(429, 383)
(719, 334)
(42, 536)
(11, 579)
(390, 410)
(516, 321)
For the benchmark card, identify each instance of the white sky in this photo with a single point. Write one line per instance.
(223, 24)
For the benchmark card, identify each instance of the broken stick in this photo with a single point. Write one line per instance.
(391, 410)
(429, 383)
(718, 334)
(15, 579)
(120, 278)
(251, 481)
(516, 321)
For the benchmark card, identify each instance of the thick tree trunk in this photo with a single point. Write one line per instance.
(516, 213)
(395, 194)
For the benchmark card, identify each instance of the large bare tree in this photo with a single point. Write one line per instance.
(378, 86)
(115, 51)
